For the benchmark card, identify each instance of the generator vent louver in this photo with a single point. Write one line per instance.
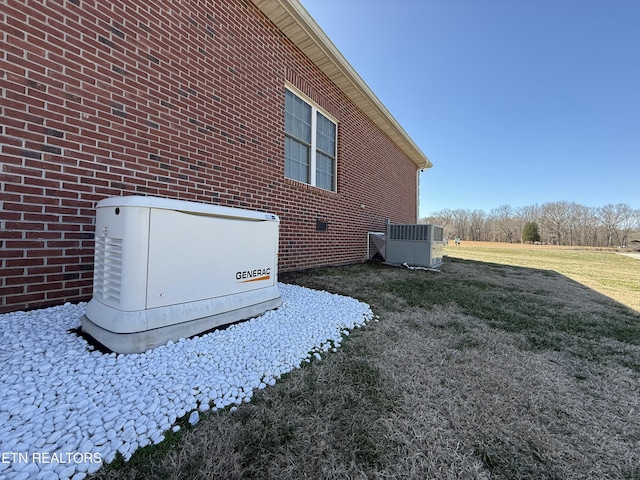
(108, 269)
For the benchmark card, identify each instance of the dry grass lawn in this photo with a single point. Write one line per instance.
(499, 367)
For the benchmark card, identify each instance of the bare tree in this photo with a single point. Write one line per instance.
(627, 223)
(563, 223)
(530, 213)
(477, 224)
(611, 217)
(636, 233)
(555, 217)
(506, 222)
(460, 223)
(586, 219)
(572, 224)
(444, 219)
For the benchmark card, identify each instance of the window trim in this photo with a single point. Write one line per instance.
(313, 148)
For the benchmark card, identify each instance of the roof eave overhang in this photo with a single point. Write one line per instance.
(296, 23)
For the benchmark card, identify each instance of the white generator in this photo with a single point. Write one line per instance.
(169, 269)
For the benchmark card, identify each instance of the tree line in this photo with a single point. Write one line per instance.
(558, 223)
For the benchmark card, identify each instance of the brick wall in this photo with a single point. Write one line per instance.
(173, 99)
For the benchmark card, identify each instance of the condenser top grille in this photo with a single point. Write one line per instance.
(417, 232)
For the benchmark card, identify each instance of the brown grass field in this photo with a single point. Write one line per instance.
(511, 363)
(597, 268)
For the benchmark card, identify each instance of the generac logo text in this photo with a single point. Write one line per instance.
(254, 275)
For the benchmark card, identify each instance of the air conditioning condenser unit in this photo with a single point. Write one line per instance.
(169, 269)
(414, 244)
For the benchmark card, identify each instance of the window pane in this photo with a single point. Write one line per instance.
(296, 160)
(326, 135)
(297, 118)
(324, 171)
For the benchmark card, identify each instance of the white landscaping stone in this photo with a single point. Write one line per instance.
(194, 418)
(58, 396)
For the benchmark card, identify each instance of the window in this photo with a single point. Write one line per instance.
(309, 144)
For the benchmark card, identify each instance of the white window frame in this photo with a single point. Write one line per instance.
(315, 109)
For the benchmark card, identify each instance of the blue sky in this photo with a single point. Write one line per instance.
(516, 102)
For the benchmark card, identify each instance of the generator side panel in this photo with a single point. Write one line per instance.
(195, 257)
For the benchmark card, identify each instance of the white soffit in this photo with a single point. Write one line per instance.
(296, 23)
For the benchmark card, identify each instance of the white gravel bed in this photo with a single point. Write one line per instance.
(65, 409)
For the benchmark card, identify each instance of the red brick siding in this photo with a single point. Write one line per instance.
(174, 99)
